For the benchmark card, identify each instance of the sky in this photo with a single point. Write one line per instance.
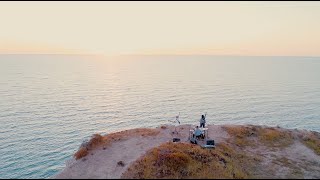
(115, 28)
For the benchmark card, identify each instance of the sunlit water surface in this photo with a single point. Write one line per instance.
(49, 104)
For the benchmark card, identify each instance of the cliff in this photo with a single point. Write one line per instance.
(241, 152)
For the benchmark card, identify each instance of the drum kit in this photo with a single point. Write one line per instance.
(203, 142)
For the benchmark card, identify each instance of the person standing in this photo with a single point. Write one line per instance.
(202, 121)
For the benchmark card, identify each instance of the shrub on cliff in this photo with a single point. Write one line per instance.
(312, 140)
(182, 160)
(82, 152)
(252, 135)
(95, 141)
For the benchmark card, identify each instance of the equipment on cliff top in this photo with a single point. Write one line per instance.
(209, 144)
(176, 139)
(194, 139)
(203, 140)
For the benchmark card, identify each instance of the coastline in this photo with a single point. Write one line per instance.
(284, 152)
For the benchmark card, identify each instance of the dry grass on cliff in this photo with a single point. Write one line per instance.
(312, 140)
(295, 172)
(82, 152)
(275, 137)
(95, 141)
(103, 141)
(253, 135)
(184, 160)
(241, 135)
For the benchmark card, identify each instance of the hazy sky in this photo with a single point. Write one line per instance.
(219, 28)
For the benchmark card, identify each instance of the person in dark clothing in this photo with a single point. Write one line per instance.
(202, 121)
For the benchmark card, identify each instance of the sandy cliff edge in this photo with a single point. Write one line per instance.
(282, 153)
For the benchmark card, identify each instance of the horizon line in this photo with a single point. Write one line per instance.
(97, 54)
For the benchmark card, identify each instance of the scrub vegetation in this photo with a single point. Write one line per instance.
(184, 160)
(98, 141)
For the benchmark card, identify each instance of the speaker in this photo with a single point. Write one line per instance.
(210, 142)
(175, 139)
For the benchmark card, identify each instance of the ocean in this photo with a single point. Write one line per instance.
(49, 104)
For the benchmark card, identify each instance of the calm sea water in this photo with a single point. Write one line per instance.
(50, 103)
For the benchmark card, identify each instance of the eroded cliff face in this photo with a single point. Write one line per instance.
(241, 152)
